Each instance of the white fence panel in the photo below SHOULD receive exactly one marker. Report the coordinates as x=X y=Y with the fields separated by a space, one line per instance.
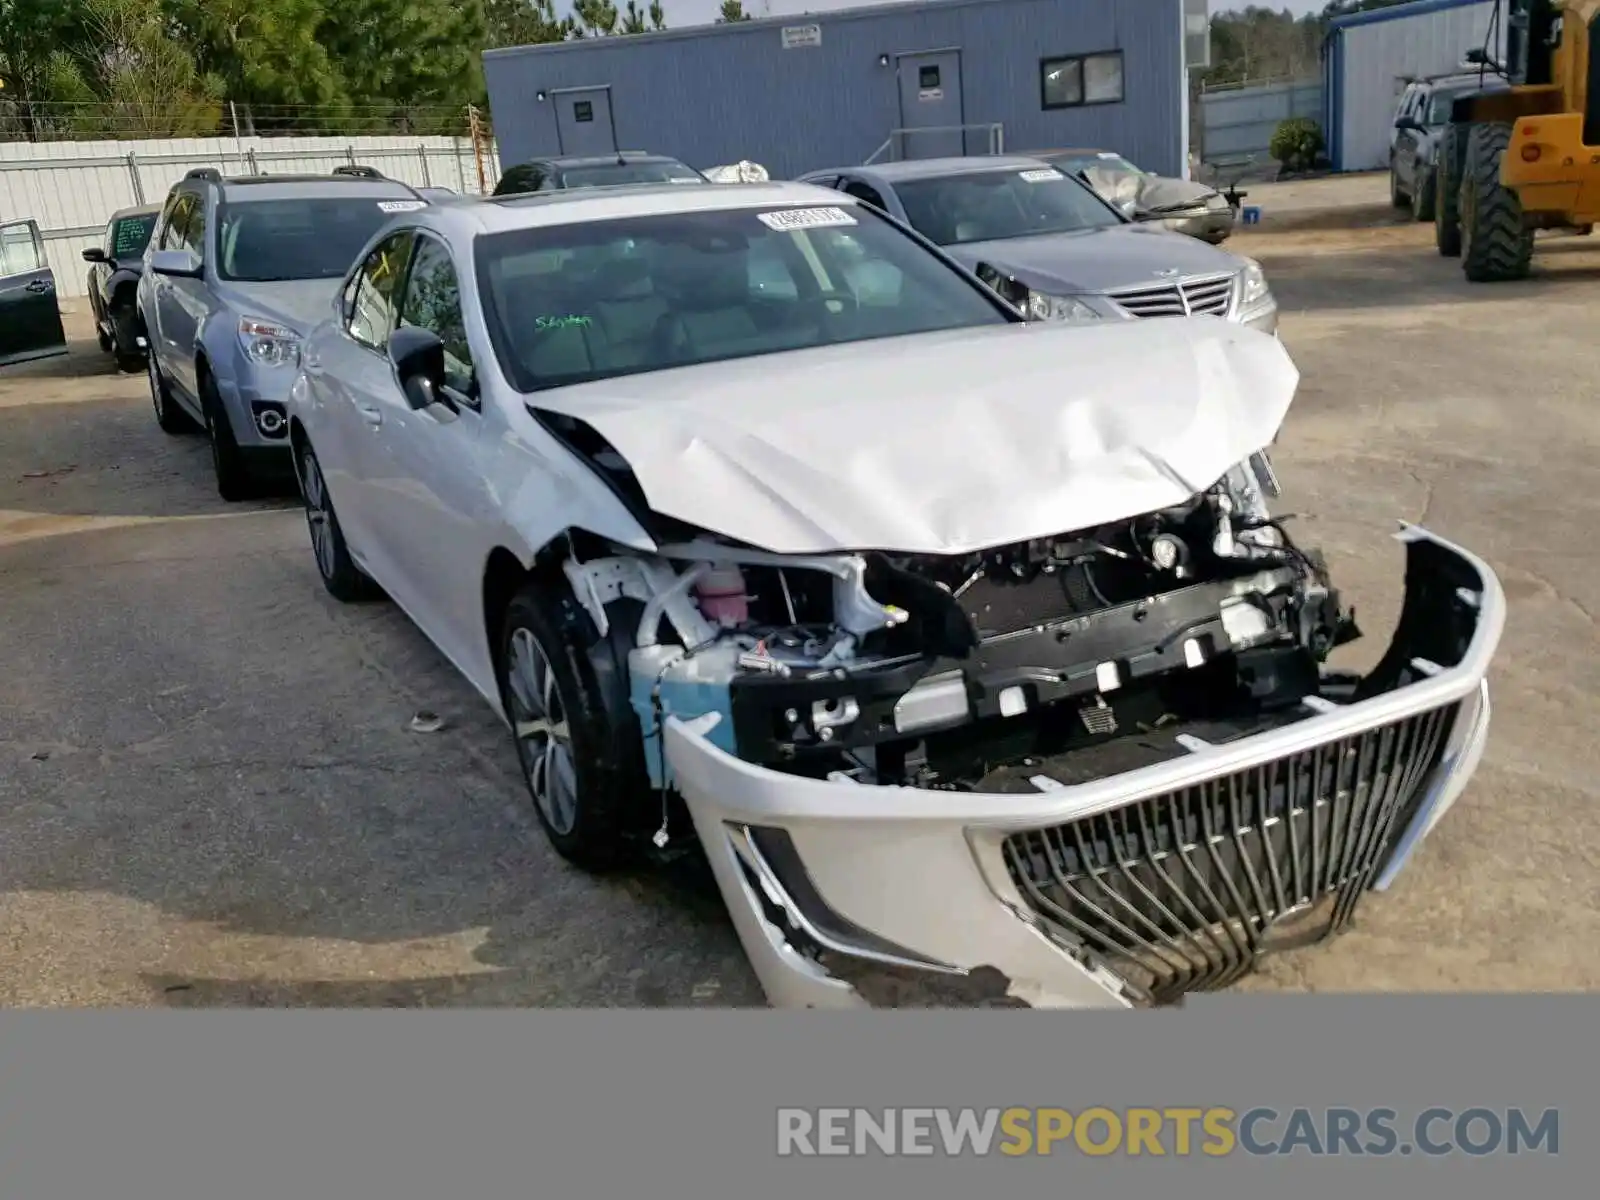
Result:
x=72 y=188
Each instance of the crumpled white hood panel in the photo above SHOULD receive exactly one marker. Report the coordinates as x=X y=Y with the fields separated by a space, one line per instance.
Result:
x=946 y=443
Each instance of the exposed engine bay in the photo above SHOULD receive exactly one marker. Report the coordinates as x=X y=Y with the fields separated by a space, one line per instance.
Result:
x=982 y=671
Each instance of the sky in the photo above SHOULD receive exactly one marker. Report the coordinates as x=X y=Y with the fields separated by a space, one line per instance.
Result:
x=701 y=12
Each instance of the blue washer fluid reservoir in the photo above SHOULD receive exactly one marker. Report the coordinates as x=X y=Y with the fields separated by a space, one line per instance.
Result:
x=690 y=686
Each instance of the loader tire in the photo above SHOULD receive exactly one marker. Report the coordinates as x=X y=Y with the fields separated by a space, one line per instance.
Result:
x=1447 y=192
x=1496 y=245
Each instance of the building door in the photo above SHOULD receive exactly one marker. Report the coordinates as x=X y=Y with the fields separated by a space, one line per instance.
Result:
x=930 y=105
x=583 y=121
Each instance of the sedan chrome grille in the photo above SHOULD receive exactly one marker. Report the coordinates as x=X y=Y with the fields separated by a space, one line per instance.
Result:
x=1203 y=295
x=1185 y=891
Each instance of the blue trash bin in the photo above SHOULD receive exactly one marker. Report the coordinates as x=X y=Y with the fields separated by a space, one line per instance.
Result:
x=1251 y=214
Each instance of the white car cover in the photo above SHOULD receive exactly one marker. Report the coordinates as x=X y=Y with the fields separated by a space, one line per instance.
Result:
x=743 y=171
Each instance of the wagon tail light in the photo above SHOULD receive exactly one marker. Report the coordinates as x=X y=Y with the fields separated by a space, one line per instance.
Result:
x=1530 y=153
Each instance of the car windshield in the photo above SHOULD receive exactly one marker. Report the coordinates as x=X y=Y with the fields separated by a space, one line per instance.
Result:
x=573 y=303
x=611 y=174
x=130 y=235
x=988 y=205
x=262 y=241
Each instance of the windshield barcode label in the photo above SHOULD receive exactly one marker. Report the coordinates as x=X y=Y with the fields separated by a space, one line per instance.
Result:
x=805 y=218
x=394 y=206
x=1041 y=175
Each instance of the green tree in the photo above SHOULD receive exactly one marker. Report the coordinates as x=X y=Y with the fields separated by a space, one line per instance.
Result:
x=146 y=79
x=264 y=55
x=524 y=23
x=732 y=10
x=35 y=68
x=637 y=20
x=406 y=64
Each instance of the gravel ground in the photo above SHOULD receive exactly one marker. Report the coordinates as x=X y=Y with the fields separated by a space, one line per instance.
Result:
x=209 y=793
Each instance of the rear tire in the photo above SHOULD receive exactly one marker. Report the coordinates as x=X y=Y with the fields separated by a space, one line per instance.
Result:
x=234 y=481
x=1447 y=192
x=1496 y=245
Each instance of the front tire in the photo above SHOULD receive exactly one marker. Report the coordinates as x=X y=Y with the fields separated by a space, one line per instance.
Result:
x=579 y=744
x=1424 y=200
x=124 y=343
x=345 y=581
x=172 y=419
x=1496 y=245
x=1447 y=192
x=234 y=481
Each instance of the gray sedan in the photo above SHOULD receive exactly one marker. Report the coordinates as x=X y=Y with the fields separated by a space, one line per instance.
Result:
x=1049 y=244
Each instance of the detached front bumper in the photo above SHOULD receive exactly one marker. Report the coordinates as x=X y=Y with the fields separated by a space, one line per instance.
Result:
x=1133 y=888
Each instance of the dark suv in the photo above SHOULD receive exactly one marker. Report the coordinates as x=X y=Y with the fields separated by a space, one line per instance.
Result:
x=115 y=267
x=609 y=170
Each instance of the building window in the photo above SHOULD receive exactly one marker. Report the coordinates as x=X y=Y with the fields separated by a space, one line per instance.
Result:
x=1080 y=79
x=928 y=77
x=583 y=110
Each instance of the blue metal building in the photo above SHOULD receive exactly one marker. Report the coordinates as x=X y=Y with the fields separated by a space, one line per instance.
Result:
x=838 y=88
x=1370 y=56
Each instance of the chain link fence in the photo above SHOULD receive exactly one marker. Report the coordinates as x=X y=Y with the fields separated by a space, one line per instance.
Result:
x=55 y=121
x=70 y=188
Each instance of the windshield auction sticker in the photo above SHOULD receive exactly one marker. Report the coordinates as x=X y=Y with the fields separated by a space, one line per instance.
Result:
x=805 y=218
x=394 y=206
x=1041 y=175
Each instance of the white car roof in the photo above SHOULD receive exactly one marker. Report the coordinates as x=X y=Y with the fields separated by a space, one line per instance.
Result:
x=578 y=206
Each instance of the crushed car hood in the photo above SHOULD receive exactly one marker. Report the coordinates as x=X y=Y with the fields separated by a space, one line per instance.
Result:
x=945 y=443
x=1096 y=261
x=1152 y=193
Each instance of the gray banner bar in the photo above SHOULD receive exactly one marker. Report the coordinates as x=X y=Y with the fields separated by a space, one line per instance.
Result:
x=452 y=1106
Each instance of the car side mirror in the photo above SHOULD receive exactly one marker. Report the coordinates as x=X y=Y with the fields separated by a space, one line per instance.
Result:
x=184 y=264
x=418 y=358
x=94 y=254
x=1407 y=123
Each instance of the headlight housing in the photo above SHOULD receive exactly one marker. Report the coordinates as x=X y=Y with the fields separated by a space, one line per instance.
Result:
x=1043 y=307
x=1253 y=289
x=267 y=343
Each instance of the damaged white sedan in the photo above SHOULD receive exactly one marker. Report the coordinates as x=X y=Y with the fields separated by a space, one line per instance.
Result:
x=969 y=650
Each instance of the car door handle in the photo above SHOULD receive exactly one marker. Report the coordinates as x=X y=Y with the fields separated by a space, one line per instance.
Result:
x=371 y=416
x=37 y=286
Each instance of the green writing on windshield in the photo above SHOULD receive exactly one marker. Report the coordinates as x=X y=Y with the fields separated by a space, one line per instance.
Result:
x=130 y=237
x=562 y=321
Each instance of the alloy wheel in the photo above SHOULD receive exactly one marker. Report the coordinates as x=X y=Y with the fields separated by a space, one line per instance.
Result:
x=318 y=514
x=544 y=737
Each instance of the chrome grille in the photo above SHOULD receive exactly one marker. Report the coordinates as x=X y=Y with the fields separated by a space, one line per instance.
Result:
x=1208 y=295
x=1185 y=891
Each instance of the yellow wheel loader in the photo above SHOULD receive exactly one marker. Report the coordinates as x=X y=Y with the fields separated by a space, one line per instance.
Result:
x=1516 y=159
